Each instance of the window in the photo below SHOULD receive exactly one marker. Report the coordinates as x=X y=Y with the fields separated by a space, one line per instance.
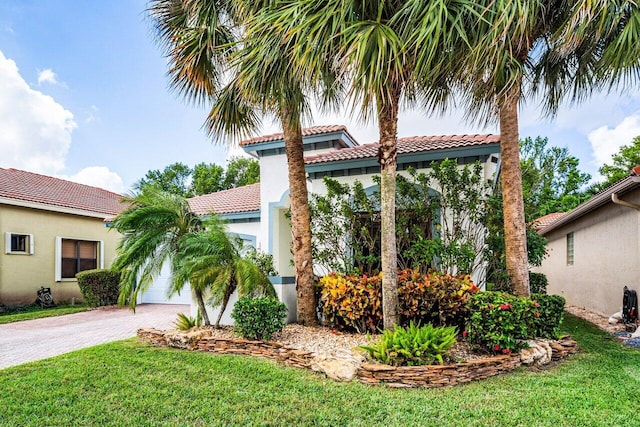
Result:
x=74 y=256
x=570 y=249
x=18 y=243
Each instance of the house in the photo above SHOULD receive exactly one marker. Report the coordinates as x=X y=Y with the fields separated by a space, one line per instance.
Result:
x=52 y=229
x=594 y=250
x=257 y=212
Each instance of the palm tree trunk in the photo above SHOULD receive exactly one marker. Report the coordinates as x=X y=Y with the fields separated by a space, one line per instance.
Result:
x=515 y=237
x=300 y=218
x=225 y=301
x=201 y=307
x=387 y=157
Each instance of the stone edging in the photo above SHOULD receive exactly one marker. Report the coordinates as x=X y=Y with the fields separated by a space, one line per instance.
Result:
x=368 y=373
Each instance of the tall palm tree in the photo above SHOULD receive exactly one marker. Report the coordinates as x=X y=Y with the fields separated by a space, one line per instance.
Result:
x=204 y=40
x=152 y=228
x=378 y=46
x=516 y=54
x=211 y=261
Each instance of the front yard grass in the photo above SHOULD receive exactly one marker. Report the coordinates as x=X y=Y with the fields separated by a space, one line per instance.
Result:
x=36 y=312
x=128 y=383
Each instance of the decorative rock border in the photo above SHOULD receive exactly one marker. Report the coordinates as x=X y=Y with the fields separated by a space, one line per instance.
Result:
x=436 y=375
x=367 y=373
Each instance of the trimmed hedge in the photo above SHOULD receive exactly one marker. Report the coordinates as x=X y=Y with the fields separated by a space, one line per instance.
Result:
x=99 y=287
x=501 y=322
x=355 y=302
x=258 y=318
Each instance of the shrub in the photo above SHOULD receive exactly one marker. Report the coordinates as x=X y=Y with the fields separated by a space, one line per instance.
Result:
x=501 y=322
x=413 y=345
x=538 y=283
x=550 y=311
x=355 y=302
x=259 y=318
x=99 y=287
x=352 y=302
x=498 y=321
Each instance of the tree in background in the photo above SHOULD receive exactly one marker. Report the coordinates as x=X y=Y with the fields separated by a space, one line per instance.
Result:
x=174 y=179
x=207 y=178
x=622 y=162
x=551 y=182
x=551 y=179
x=241 y=171
x=204 y=178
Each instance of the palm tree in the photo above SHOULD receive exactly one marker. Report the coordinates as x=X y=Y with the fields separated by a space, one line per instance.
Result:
x=516 y=54
x=152 y=228
x=378 y=46
x=204 y=40
x=211 y=262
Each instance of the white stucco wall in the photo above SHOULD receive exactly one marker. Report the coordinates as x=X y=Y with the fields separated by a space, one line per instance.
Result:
x=606 y=258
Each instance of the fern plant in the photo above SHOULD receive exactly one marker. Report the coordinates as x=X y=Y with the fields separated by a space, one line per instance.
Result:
x=413 y=345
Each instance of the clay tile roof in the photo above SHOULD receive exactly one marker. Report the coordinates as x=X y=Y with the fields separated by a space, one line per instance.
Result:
x=314 y=130
x=411 y=144
x=241 y=199
x=548 y=219
x=33 y=187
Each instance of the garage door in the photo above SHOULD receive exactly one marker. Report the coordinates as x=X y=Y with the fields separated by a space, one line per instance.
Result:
x=157 y=292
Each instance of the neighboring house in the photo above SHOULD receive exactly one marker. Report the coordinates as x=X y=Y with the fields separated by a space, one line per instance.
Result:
x=594 y=250
x=257 y=212
x=51 y=229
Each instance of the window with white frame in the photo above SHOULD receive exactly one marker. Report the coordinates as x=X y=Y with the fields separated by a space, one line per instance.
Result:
x=76 y=255
x=19 y=243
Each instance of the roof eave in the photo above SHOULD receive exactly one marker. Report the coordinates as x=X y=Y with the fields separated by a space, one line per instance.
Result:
x=55 y=208
x=595 y=202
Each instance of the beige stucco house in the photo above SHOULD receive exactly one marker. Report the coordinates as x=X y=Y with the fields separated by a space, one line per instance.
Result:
x=594 y=250
x=51 y=229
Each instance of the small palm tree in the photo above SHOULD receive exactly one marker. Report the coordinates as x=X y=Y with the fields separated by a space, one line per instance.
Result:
x=211 y=262
x=152 y=229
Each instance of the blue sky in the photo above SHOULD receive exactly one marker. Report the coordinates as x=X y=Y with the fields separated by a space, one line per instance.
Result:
x=84 y=96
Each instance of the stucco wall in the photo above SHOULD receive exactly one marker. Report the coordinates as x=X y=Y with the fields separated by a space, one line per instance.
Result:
x=22 y=275
x=606 y=258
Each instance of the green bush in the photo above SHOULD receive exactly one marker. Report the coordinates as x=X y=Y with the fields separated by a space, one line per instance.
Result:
x=355 y=302
x=550 y=311
x=413 y=345
x=501 y=322
x=498 y=321
x=99 y=287
x=259 y=318
x=538 y=283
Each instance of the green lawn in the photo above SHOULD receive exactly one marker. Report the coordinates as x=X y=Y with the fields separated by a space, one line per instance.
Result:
x=35 y=312
x=131 y=384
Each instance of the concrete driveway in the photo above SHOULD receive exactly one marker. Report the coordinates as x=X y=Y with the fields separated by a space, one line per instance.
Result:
x=37 y=339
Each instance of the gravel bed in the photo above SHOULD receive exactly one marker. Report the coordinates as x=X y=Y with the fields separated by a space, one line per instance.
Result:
x=618 y=330
x=322 y=340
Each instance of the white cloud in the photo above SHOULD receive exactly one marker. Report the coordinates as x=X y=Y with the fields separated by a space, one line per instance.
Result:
x=98 y=176
x=48 y=76
x=606 y=141
x=35 y=130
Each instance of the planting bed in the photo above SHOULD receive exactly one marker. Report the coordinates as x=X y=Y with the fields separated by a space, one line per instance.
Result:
x=344 y=364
